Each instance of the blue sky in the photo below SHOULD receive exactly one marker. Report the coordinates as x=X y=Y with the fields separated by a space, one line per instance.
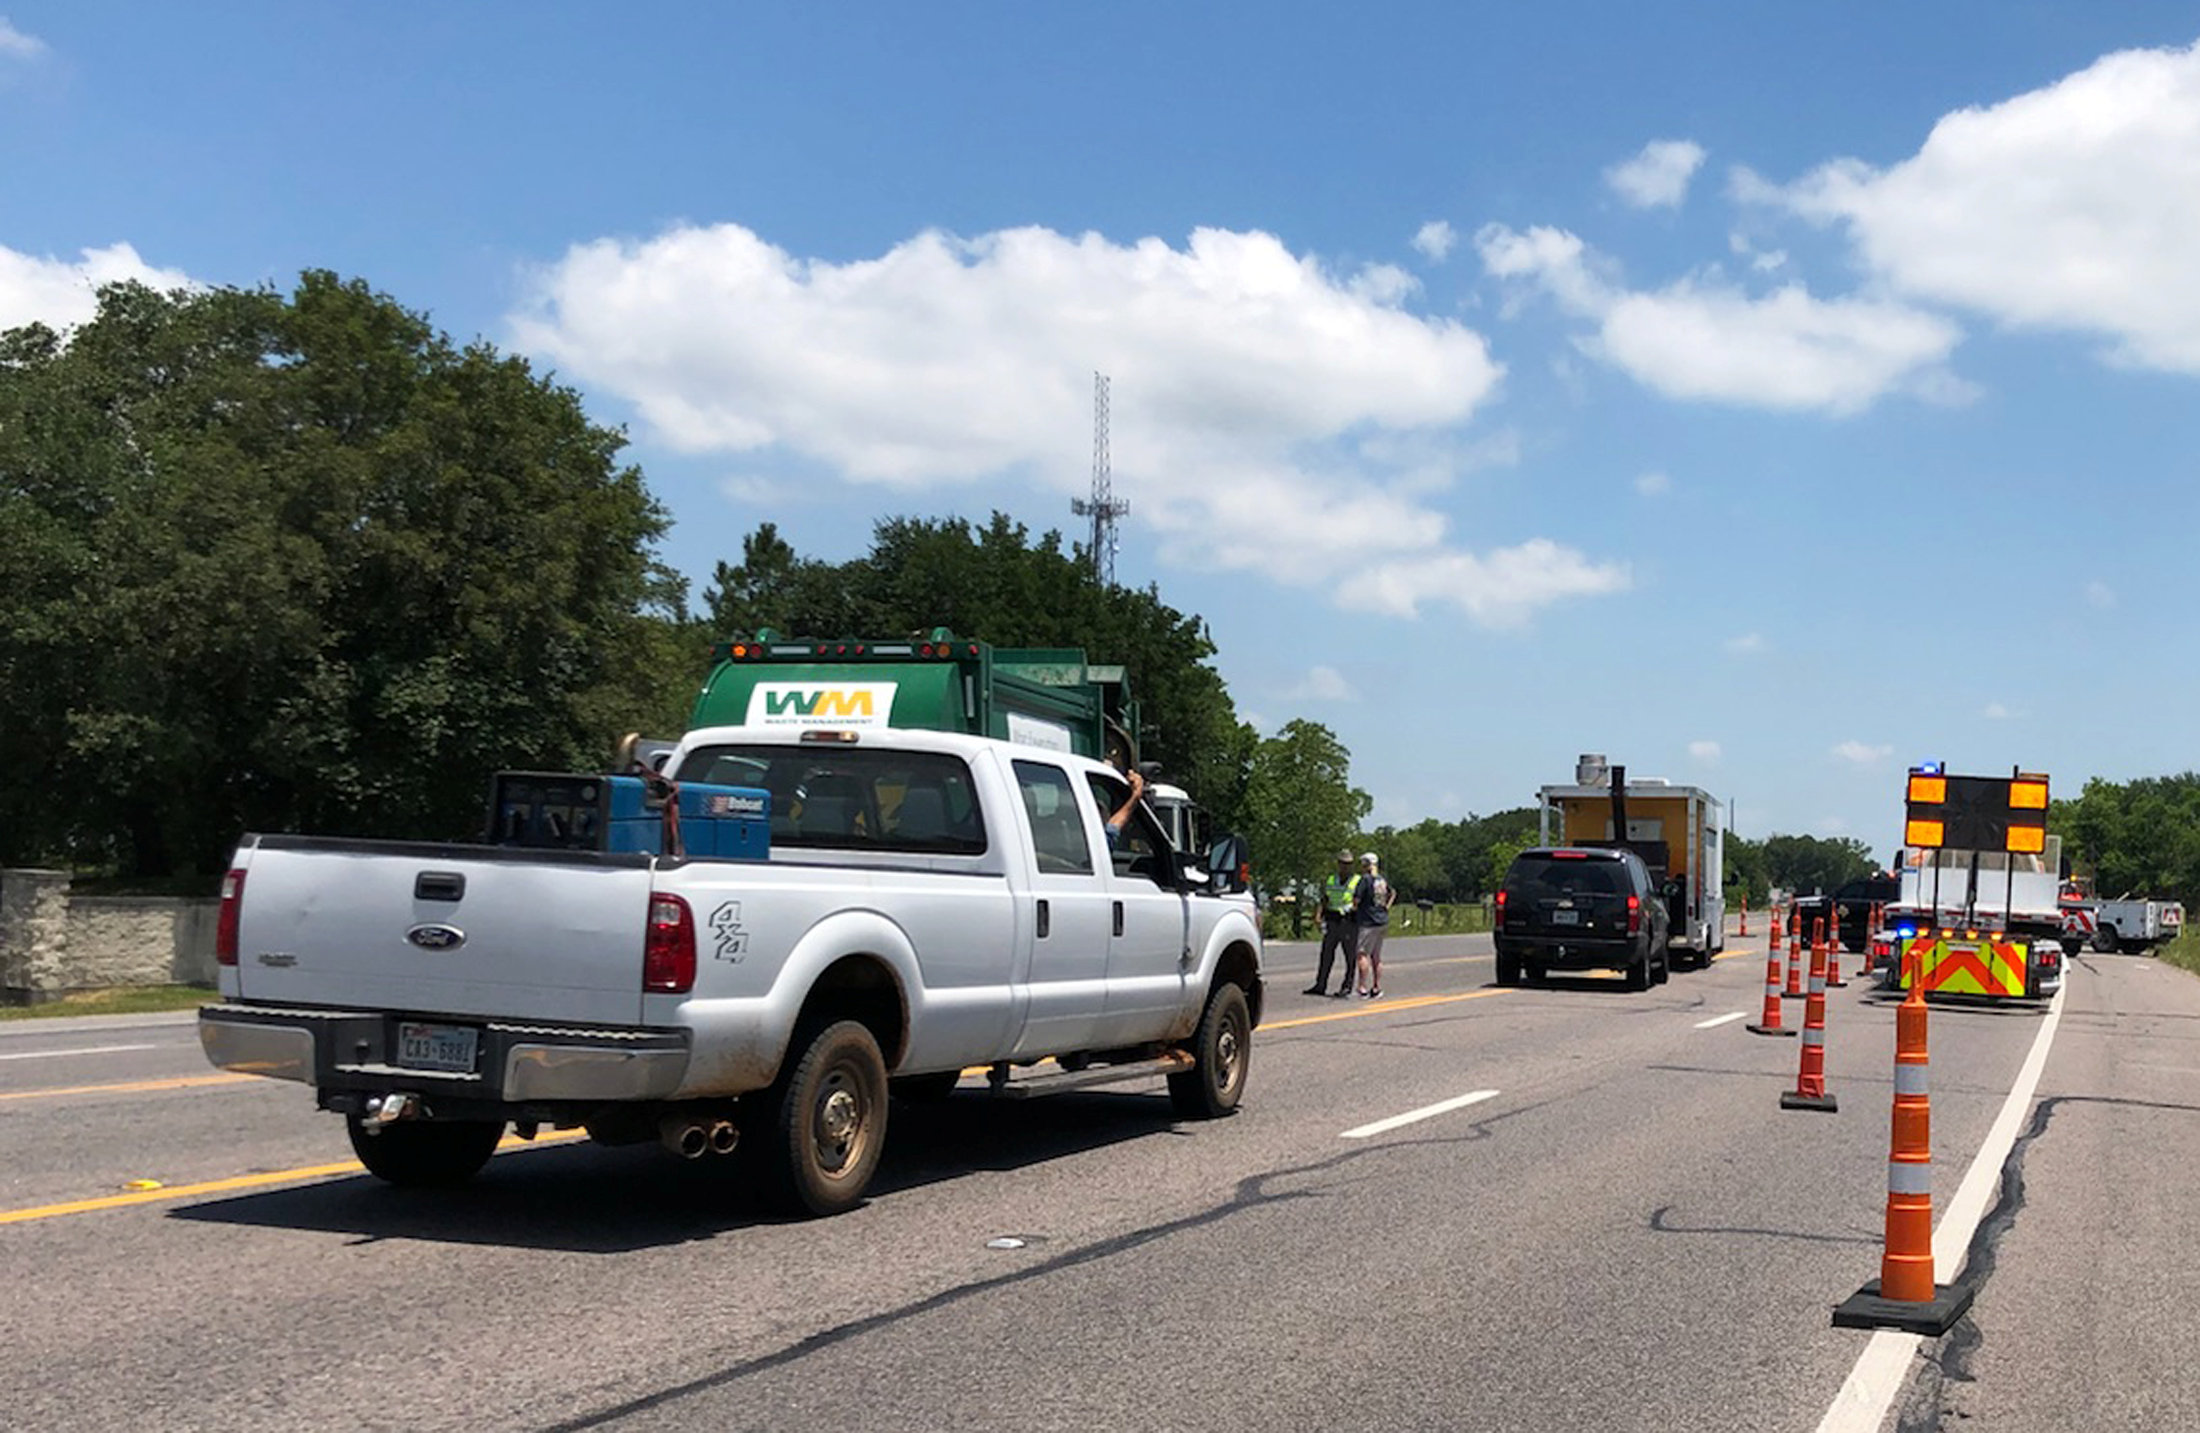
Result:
x=1767 y=396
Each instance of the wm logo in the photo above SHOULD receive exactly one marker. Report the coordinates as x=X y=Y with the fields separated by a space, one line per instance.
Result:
x=820 y=703
x=823 y=702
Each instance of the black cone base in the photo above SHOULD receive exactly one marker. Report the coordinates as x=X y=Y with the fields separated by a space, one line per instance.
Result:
x=1865 y=1309
x=1768 y=1030
x=1794 y=1101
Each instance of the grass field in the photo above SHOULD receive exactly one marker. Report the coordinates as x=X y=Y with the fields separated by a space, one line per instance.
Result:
x=126 y=1000
x=2184 y=951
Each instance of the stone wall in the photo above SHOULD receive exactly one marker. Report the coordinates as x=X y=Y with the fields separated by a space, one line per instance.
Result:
x=53 y=943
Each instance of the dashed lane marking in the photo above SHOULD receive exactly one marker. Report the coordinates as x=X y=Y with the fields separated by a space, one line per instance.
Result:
x=1441 y=1107
x=1722 y=1019
x=242 y=1181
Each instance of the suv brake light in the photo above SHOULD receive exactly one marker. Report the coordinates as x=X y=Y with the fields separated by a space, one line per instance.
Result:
x=668 y=954
x=1498 y=918
x=1634 y=914
x=226 y=921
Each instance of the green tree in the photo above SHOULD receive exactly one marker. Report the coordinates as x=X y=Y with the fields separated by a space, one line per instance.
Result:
x=1300 y=806
x=299 y=562
x=2138 y=838
x=1804 y=864
x=998 y=583
x=1746 y=877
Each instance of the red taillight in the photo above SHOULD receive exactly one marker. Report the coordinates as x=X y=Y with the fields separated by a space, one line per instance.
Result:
x=668 y=955
x=925 y=650
x=225 y=922
x=1499 y=918
x=1634 y=914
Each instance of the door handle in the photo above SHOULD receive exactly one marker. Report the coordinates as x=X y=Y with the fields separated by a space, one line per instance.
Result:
x=1044 y=923
x=1118 y=917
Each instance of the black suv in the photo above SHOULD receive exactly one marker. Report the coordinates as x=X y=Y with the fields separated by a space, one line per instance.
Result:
x=1852 y=908
x=1580 y=908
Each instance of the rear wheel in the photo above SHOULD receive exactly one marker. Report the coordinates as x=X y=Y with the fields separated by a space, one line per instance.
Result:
x=826 y=1126
x=2104 y=938
x=1508 y=969
x=1638 y=974
x=1663 y=970
x=1222 y=1049
x=424 y=1153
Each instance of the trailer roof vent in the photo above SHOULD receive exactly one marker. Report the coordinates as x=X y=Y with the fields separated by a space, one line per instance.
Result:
x=1591 y=769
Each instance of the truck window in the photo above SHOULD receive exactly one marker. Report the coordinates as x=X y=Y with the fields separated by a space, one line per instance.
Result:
x=1057 y=826
x=854 y=799
x=1143 y=849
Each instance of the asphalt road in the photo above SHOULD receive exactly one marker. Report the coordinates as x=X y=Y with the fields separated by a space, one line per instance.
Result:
x=1606 y=1221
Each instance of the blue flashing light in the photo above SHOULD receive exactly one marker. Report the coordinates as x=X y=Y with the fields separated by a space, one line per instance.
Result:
x=1927 y=768
x=1905 y=931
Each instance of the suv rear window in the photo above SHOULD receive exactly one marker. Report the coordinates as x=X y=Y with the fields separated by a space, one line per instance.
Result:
x=1540 y=876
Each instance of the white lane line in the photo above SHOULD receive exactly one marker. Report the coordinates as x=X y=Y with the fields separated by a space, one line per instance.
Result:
x=87 y=1050
x=1722 y=1020
x=1870 y=1390
x=1441 y=1107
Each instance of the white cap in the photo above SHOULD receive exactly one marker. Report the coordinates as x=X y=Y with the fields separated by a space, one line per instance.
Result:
x=1368 y=858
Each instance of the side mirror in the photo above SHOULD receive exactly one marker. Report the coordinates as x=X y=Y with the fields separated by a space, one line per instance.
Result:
x=1229 y=868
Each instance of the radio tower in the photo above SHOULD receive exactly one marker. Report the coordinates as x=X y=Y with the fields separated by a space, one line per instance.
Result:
x=1103 y=507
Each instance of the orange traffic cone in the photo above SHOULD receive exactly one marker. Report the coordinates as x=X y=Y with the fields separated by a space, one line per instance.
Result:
x=1833 y=952
x=1904 y=1295
x=1810 y=1081
x=1769 y=1022
x=1794 y=989
x=1745 y=917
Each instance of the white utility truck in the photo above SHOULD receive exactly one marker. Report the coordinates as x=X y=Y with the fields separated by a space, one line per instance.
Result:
x=928 y=902
x=2136 y=925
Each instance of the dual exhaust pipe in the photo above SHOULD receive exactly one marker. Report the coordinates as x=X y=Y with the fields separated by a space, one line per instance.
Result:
x=692 y=1138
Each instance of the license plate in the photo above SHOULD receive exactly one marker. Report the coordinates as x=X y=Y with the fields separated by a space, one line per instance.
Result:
x=436 y=1047
x=1565 y=917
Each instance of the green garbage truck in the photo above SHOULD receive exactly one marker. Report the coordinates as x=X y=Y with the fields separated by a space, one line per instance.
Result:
x=1051 y=697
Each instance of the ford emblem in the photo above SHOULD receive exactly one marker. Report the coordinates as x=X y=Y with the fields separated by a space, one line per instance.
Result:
x=436 y=937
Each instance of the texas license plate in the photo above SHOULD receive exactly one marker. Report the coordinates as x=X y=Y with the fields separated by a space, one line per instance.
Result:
x=436 y=1047
x=1565 y=917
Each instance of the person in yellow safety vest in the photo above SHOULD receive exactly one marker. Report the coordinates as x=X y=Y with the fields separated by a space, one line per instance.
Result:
x=1338 y=931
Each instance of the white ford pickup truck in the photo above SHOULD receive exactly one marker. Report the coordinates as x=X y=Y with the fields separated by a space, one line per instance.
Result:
x=930 y=902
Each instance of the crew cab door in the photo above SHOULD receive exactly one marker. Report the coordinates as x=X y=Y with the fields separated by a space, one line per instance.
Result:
x=1068 y=913
x=1149 y=918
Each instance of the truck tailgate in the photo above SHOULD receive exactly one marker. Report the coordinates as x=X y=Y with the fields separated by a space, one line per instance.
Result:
x=456 y=930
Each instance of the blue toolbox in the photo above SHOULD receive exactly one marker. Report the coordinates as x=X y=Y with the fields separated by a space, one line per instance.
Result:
x=582 y=812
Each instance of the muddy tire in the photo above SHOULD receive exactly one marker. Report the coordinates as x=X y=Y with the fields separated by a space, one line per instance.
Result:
x=1223 y=1048
x=824 y=1125
x=424 y=1154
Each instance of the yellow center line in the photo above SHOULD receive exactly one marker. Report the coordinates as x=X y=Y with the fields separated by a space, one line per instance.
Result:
x=1383 y=1007
x=182 y=1082
x=242 y=1181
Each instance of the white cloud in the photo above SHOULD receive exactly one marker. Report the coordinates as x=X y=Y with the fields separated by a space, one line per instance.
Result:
x=1749 y=644
x=2100 y=595
x=2072 y=207
x=1995 y=711
x=1653 y=485
x=1705 y=752
x=1861 y=754
x=1658 y=177
x=1435 y=239
x=1324 y=684
x=61 y=294
x=14 y=44
x=947 y=360
x=1704 y=339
